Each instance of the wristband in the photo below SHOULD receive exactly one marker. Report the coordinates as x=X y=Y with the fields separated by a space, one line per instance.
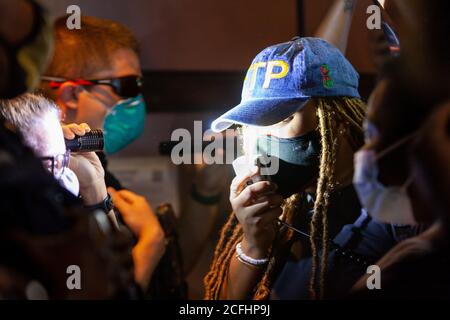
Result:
x=249 y=260
x=206 y=200
x=106 y=205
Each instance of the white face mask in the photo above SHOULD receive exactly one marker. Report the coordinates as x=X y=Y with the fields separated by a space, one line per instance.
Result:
x=69 y=181
x=385 y=204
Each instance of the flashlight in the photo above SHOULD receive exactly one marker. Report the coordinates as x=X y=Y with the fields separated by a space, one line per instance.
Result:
x=91 y=141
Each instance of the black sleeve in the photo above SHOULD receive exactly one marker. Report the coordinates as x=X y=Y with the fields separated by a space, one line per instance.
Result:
x=110 y=179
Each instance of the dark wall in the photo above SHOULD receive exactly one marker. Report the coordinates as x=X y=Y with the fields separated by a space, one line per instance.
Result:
x=195 y=52
x=196 y=34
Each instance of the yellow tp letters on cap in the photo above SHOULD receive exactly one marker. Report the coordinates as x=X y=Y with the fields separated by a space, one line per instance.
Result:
x=269 y=72
x=254 y=67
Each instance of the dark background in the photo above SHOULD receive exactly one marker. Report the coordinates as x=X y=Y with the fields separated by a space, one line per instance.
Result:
x=194 y=57
x=195 y=52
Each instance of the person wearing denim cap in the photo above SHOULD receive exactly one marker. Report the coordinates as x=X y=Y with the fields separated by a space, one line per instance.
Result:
x=301 y=105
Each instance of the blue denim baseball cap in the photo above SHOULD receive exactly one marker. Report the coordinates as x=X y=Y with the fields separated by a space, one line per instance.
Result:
x=282 y=78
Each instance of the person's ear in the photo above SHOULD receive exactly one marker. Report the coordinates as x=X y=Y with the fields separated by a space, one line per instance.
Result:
x=68 y=95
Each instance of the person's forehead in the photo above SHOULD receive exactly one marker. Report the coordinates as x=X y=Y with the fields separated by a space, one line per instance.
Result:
x=124 y=62
x=51 y=135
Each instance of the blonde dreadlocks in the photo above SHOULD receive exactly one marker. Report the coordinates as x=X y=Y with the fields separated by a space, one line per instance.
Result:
x=347 y=111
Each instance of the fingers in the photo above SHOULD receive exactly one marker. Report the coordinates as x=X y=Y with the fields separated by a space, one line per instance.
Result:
x=87 y=160
x=85 y=127
x=72 y=129
x=91 y=156
x=263 y=220
x=67 y=132
x=239 y=182
x=253 y=192
x=273 y=200
x=124 y=195
x=261 y=208
x=119 y=202
x=268 y=217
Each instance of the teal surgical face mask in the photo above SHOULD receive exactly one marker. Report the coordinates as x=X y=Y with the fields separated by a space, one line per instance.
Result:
x=124 y=124
x=298 y=160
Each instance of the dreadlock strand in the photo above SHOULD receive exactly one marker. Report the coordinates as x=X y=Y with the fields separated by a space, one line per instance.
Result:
x=323 y=189
x=355 y=106
x=212 y=276
x=223 y=265
x=319 y=196
x=330 y=165
x=355 y=109
x=263 y=288
x=349 y=118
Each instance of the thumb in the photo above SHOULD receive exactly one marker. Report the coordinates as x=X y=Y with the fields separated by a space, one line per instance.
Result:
x=128 y=196
x=119 y=202
x=67 y=132
x=111 y=191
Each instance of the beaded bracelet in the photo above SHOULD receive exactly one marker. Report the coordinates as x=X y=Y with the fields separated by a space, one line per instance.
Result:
x=249 y=260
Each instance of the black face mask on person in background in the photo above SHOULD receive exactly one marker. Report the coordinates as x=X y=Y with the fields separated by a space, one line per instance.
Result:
x=298 y=160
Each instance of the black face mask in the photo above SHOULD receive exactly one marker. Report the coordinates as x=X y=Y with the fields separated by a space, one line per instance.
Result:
x=298 y=160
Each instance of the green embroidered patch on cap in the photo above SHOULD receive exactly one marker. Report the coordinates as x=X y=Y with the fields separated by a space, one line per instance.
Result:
x=327 y=81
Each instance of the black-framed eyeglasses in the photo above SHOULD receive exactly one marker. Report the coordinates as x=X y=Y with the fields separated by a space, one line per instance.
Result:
x=125 y=87
x=56 y=164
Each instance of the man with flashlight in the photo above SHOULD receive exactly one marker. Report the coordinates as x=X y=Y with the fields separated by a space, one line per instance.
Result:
x=82 y=173
x=95 y=78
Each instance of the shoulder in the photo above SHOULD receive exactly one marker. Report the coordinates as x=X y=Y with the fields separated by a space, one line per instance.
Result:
x=408 y=249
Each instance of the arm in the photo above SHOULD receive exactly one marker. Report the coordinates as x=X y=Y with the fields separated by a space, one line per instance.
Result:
x=256 y=207
x=335 y=26
x=88 y=170
x=242 y=278
x=87 y=167
x=209 y=182
x=141 y=220
x=134 y=209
